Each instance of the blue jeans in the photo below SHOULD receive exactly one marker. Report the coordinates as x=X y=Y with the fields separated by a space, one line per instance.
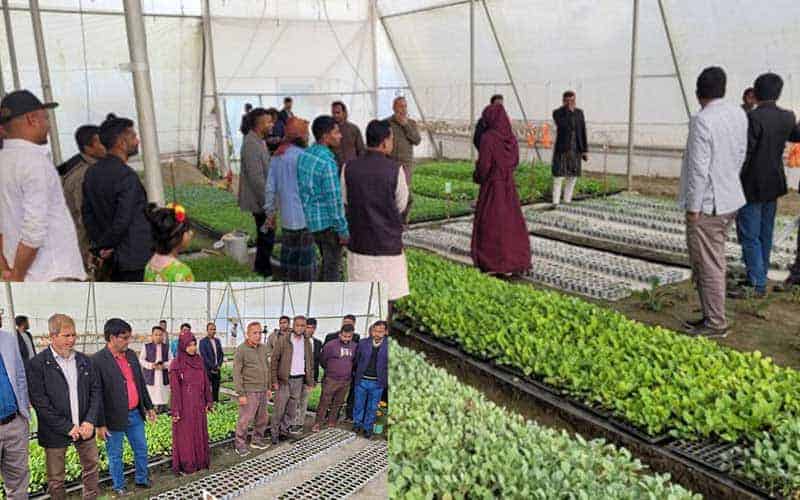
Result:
x=754 y=226
x=367 y=396
x=135 y=433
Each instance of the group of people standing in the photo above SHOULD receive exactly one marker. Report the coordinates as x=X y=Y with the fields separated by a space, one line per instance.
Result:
x=338 y=193
x=77 y=398
x=286 y=367
x=88 y=218
x=733 y=171
x=109 y=395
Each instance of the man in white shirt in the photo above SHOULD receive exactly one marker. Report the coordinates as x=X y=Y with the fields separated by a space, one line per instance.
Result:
x=711 y=193
x=37 y=233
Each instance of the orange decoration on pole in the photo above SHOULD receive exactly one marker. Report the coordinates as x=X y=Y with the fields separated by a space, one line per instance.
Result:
x=794 y=156
x=546 y=140
x=530 y=136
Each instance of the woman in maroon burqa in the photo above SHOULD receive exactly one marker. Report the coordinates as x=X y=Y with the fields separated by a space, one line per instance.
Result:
x=191 y=400
x=500 y=243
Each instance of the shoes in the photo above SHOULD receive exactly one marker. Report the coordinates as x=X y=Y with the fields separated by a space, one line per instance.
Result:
x=357 y=429
x=315 y=428
x=367 y=434
x=296 y=429
x=242 y=453
x=692 y=324
x=709 y=332
x=121 y=493
x=274 y=441
x=259 y=445
x=144 y=486
x=746 y=292
x=786 y=286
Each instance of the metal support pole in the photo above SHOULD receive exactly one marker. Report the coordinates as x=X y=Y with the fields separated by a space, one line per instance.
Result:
x=673 y=53
x=12 y=51
x=308 y=304
x=373 y=19
x=200 y=131
x=369 y=308
x=209 y=45
x=410 y=86
x=471 y=73
x=10 y=300
x=208 y=301
x=2 y=81
x=44 y=76
x=632 y=95
x=94 y=311
x=508 y=72
x=380 y=303
x=140 y=68
x=171 y=308
x=236 y=306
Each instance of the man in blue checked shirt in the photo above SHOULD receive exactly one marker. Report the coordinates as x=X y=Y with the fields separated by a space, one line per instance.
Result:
x=321 y=196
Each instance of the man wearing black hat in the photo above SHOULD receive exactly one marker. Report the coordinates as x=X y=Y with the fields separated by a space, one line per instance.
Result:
x=37 y=234
x=114 y=202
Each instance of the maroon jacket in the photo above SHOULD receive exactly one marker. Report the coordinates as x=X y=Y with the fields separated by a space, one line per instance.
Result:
x=337 y=359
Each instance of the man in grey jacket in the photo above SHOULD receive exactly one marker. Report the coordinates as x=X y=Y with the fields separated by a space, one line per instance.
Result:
x=252 y=182
x=711 y=193
x=14 y=418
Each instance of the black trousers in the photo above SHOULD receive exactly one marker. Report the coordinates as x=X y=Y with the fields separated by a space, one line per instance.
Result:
x=794 y=270
x=331 y=251
x=127 y=276
x=264 y=244
x=214 y=378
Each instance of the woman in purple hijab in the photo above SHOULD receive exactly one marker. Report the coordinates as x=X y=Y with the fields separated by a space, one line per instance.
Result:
x=191 y=400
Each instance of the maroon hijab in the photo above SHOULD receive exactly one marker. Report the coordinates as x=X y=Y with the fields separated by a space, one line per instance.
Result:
x=500 y=135
x=184 y=363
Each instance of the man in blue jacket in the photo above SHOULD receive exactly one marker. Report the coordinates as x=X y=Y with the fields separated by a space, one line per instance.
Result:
x=372 y=377
x=14 y=418
x=211 y=350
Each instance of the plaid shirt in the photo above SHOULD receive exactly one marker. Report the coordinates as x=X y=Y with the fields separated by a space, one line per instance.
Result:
x=321 y=191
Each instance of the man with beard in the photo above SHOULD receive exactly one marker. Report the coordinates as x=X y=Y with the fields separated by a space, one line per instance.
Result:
x=37 y=236
x=72 y=173
x=352 y=145
x=114 y=202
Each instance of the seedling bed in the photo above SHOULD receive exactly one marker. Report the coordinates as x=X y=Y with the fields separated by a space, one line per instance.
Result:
x=690 y=472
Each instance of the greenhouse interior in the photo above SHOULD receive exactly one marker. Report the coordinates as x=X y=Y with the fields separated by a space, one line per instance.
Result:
x=581 y=374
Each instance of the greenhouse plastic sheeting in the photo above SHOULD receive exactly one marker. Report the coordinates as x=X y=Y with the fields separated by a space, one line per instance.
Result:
x=323 y=50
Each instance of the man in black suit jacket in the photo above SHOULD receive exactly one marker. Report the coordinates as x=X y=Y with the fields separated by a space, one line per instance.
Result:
x=125 y=404
x=213 y=357
x=114 y=203
x=27 y=348
x=763 y=180
x=65 y=390
x=571 y=147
